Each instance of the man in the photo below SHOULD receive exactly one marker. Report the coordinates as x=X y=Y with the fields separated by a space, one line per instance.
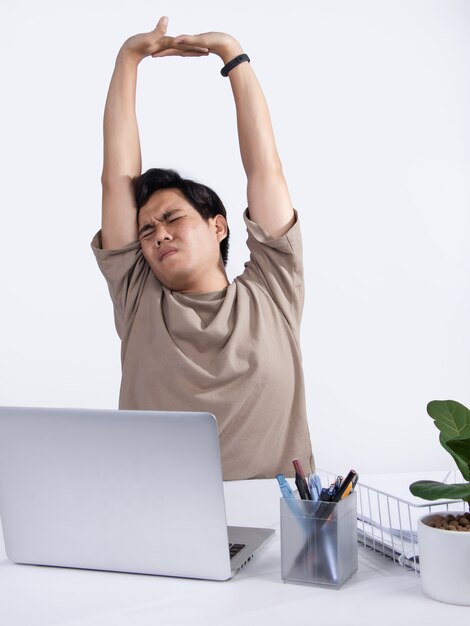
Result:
x=190 y=340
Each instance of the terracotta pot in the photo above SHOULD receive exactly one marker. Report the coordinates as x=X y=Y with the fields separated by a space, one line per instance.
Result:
x=444 y=561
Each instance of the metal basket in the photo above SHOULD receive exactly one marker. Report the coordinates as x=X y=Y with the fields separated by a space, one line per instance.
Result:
x=387 y=520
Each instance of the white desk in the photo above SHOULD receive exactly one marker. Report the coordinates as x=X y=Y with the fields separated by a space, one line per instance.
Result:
x=381 y=593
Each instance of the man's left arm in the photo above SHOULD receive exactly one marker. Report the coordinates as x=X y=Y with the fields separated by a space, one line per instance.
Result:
x=269 y=202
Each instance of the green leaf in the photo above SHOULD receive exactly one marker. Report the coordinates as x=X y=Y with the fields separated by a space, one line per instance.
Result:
x=431 y=490
x=461 y=453
x=453 y=421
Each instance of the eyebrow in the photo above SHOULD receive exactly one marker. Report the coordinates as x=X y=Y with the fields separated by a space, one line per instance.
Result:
x=164 y=217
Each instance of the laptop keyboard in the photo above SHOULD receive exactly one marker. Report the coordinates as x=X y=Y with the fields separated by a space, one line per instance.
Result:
x=235 y=548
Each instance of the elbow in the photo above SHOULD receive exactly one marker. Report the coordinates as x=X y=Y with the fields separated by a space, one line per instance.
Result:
x=111 y=181
x=272 y=172
x=271 y=167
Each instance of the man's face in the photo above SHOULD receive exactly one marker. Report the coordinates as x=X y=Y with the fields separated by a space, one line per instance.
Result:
x=181 y=247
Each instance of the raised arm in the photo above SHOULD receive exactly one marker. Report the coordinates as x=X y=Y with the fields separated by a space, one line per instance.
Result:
x=269 y=202
x=122 y=158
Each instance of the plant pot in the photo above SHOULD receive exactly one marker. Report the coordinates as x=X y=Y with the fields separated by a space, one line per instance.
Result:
x=444 y=561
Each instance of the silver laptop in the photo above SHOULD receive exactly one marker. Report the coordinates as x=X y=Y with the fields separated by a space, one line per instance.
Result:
x=127 y=491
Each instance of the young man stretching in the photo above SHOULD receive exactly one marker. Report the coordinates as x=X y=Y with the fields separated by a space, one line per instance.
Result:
x=190 y=339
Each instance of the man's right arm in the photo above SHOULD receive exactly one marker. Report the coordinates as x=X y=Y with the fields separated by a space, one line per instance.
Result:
x=121 y=159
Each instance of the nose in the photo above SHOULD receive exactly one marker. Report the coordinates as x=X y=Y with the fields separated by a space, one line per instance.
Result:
x=161 y=234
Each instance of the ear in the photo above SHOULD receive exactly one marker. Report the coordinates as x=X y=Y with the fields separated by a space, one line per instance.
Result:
x=221 y=228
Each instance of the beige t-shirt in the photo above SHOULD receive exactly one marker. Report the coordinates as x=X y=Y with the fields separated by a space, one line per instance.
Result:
x=234 y=353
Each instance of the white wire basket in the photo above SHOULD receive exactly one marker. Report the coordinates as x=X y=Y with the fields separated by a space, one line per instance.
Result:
x=388 y=514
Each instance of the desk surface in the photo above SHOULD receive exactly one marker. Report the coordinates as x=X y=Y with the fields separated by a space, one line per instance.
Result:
x=380 y=593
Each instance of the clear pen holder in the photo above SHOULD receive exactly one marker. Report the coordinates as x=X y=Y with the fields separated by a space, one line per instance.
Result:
x=318 y=541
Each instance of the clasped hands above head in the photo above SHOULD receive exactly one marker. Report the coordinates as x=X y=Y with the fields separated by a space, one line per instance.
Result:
x=157 y=43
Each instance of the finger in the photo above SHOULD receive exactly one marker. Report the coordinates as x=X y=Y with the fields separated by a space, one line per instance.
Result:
x=183 y=45
x=194 y=53
x=165 y=42
x=193 y=49
x=186 y=39
x=162 y=25
x=168 y=52
x=182 y=53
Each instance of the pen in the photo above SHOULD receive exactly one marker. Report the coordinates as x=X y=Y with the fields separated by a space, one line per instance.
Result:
x=314 y=486
x=294 y=505
x=347 y=486
x=284 y=486
x=300 y=481
x=328 y=494
x=351 y=486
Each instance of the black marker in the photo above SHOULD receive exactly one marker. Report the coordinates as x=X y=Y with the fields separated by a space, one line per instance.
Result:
x=300 y=481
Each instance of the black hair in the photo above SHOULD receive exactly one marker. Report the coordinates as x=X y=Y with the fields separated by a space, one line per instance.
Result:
x=206 y=202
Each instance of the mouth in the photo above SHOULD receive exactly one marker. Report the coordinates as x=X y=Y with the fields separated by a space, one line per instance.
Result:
x=166 y=253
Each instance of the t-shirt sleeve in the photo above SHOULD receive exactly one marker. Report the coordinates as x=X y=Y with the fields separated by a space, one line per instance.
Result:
x=277 y=266
x=126 y=272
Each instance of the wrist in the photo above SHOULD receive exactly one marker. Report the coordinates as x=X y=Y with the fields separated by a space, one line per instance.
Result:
x=230 y=51
x=128 y=56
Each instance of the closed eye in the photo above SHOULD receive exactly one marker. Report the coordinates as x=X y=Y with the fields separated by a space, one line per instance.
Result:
x=168 y=218
x=146 y=230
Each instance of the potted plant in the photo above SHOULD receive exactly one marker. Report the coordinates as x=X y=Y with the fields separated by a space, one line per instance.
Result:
x=444 y=538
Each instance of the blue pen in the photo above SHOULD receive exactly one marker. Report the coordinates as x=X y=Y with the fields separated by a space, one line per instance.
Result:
x=292 y=502
x=314 y=485
x=284 y=486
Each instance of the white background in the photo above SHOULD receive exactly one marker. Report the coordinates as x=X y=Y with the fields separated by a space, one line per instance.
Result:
x=370 y=103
